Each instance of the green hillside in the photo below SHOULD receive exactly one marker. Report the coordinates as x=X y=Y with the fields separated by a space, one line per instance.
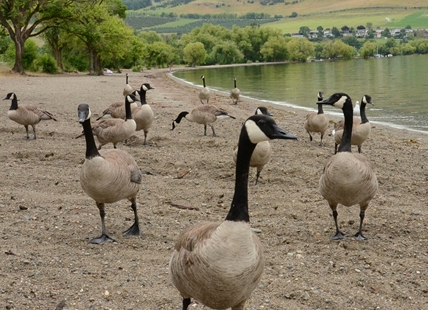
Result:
x=311 y=13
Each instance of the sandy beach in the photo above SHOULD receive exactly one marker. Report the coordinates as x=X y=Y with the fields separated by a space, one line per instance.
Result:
x=47 y=219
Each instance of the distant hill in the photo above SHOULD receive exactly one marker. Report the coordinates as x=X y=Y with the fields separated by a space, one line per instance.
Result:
x=287 y=15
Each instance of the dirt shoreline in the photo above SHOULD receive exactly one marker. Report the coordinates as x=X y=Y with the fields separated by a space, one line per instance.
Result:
x=47 y=219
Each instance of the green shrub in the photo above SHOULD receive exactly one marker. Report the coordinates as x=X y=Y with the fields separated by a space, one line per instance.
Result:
x=47 y=64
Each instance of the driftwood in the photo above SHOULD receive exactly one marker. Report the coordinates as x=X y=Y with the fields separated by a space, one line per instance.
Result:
x=183 y=207
x=182 y=175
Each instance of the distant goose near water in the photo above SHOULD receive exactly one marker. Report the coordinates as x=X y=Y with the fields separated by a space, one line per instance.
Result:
x=205 y=114
x=205 y=93
x=108 y=176
x=235 y=92
x=26 y=115
x=347 y=178
x=317 y=121
x=221 y=263
x=361 y=127
x=262 y=153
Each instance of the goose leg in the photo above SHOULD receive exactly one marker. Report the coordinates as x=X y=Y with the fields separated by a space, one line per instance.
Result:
x=212 y=127
x=26 y=129
x=359 y=149
x=338 y=235
x=335 y=148
x=104 y=236
x=310 y=137
x=257 y=177
x=322 y=136
x=34 y=132
x=186 y=303
x=205 y=130
x=134 y=230
x=145 y=138
x=359 y=234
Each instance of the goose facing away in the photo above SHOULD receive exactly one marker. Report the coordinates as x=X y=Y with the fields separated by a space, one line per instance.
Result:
x=262 y=153
x=127 y=90
x=361 y=127
x=317 y=121
x=117 y=109
x=348 y=178
x=205 y=115
x=220 y=264
x=26 y=115
x=143 y=115
x=108 y=176
x=235 y=92
x=205 y=93
x=115 y=130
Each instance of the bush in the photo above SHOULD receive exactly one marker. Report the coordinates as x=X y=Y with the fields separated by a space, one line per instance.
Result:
x=47 y=64
x=28 y=57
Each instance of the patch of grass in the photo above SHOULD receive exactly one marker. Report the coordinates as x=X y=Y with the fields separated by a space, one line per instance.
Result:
x=416 y=20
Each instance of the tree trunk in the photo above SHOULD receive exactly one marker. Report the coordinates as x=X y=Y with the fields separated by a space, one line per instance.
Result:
x=19 y=47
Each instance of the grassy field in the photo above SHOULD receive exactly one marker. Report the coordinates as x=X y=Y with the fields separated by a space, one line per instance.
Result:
x=314 y=13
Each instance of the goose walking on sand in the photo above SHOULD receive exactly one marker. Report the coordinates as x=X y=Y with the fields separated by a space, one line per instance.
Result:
x=235 y=92
x=221 y=263
x=262 y=153
x=347 y=179
x=205 y=115
x=108 y=176
x=143 y=115
x=205 y=93
x=26 y=115
x=317 y=121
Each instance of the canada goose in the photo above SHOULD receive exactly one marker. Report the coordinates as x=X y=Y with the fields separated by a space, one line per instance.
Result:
x=361 y=128
x=26 y=115
x=143 y=115
x=205 y=93
x=263 y=151
x=220 y=264
x=347 y=178
x=127 y=90
x=108 y=176
x=235 y=92
x=204 y=114
x=117 y=109
x=116 y=130
x=317 y=121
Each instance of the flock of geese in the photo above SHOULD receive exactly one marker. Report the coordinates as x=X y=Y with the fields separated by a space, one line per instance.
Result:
x=217 y=263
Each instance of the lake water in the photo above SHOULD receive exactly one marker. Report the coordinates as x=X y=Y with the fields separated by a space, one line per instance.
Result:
x=398 y=85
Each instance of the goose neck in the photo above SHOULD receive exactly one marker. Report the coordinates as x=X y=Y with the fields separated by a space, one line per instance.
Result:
x=128 y=112
x=320 y=110
x=239 y=207
x=345 y=144
x=14 y=104
x=143 y=96
x=363 y=113
x=91 y=148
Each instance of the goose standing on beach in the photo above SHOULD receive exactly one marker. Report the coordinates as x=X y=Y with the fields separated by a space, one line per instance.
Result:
x=361 y=127
x=108 y=176
x=116 y=130
x=317 y=121
x=235 y=92
x=26 y=115
x=205 y=93
x=262 y=153
x=220 y=264
x=205 y=115
x=143 y=115
x=348 y=178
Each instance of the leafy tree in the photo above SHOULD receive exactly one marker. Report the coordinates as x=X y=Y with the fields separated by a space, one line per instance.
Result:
x=345 y=28
x=320 y=30
x=275 y=49
x=386 y=33
x=335 y=32
x=300 y=49
x=28 y=57
x=352 y=41
x=226 y=52
x=407 y=49
x=368 y=49
x=335 y=49
x=159 y=54
x=369 y=26
x=304 y=30
x=57 y=39
x=293 y=15
x=194 y=54
x=29 y=18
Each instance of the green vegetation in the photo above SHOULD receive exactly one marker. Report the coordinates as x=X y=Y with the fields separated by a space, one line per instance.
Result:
x=415 y=20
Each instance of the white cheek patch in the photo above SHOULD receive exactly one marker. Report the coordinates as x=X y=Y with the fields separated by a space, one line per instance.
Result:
x=145 y=88
x=339 y=103
x=365 y=100
x=89 y=114
x=254 y=132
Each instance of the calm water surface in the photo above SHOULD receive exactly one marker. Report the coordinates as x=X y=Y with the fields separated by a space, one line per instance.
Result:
x=398 y=85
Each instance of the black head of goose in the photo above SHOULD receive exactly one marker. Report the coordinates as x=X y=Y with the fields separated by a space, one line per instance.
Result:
x=220 y=264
